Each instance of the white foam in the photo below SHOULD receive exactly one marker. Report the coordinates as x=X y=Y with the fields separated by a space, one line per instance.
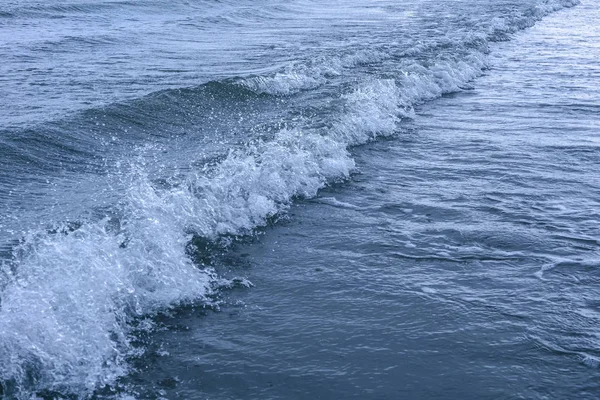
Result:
x=297 y=77
x=428 y=290
x=332 y=201
x=286 y=82
x=64 y=321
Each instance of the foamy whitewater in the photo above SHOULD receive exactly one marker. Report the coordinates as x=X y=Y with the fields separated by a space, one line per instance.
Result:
x=142 y=142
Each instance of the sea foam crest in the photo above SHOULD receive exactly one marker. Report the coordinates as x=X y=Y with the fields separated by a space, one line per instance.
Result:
x=73 y=292
x=420 y=84
x=287 y=82
x=372 y=110
x=247 y=187
x=297 y=77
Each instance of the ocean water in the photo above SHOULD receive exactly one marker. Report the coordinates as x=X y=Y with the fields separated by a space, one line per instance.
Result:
x=299 y=200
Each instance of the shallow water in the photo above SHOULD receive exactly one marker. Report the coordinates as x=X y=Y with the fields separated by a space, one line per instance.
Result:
x=299 y=200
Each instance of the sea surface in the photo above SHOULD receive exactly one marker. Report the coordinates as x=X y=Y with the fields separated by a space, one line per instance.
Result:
x=299 y=199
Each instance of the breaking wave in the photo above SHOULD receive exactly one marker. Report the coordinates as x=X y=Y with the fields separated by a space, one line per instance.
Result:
x=72 y=293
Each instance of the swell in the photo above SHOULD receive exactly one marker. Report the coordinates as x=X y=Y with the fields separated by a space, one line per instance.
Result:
x=59 y=10
x=85 y=135
x=71 y=292
x=235 y=13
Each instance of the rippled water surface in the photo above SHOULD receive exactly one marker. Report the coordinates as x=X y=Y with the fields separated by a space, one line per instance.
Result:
x=294 y=200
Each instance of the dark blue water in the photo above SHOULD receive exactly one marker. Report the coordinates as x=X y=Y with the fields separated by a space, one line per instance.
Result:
x=299 y=200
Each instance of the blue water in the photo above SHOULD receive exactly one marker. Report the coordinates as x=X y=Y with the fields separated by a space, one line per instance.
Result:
x=299 y=200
